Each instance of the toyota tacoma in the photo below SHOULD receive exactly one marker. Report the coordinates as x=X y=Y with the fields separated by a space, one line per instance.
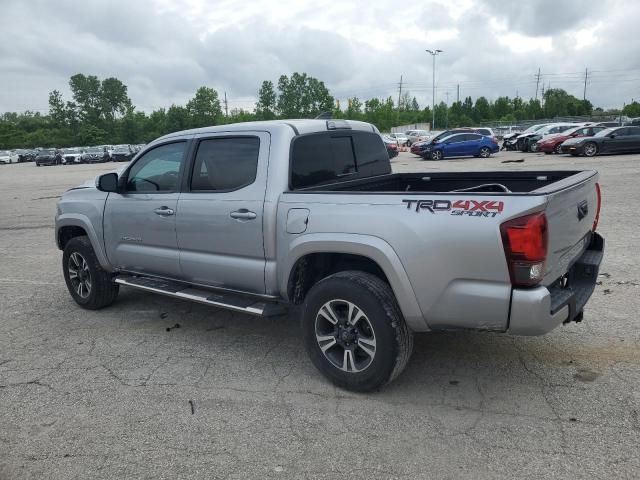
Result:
x=255 y=217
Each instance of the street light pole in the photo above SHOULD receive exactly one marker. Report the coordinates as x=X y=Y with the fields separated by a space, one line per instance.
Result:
x=433 y=98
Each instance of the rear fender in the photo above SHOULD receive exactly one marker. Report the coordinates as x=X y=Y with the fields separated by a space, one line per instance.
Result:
x=373 y=248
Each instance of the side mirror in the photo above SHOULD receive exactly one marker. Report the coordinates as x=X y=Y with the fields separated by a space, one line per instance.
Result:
x=612 y=135
x=107 y=182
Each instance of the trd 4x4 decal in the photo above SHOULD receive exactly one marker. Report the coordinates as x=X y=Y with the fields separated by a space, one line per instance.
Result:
x=471 y=208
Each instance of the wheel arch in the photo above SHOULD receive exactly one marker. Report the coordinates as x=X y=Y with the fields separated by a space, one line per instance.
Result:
x=316 y=256
x=69 y=226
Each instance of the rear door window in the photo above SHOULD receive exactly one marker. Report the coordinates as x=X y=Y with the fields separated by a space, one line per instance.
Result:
x=224 y=164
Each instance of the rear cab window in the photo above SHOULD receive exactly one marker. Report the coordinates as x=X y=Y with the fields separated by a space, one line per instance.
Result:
x=328 y=157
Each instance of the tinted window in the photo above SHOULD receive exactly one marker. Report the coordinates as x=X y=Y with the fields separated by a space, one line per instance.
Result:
x=225 y=163
x=157 y=170
x=455 y=139
x=621 y=132
x=634 y=130
x=472 y=137
x=328 y=156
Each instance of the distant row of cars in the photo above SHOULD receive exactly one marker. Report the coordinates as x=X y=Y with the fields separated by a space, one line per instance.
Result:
x=588 y=139
x=72 y=155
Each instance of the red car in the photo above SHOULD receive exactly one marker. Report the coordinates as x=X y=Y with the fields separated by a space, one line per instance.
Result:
x=553 y=143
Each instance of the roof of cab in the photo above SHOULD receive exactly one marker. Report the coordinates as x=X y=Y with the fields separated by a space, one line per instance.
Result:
x=297 y=126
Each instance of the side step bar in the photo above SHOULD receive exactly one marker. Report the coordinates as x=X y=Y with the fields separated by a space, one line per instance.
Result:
x=229 y=301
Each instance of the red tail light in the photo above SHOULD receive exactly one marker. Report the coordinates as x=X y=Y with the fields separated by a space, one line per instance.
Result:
x=525 y=242
x=597 y=219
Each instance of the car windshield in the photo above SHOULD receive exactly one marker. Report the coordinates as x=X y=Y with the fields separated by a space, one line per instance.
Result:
x=95 y=150
x=605 y=132
x=71 y=150
x=4 y=153
x=121 y=149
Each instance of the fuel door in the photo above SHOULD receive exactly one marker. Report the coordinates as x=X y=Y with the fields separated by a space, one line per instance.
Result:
x=297 y=219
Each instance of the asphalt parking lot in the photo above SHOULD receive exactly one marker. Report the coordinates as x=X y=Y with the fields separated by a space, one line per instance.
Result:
x=157 y=388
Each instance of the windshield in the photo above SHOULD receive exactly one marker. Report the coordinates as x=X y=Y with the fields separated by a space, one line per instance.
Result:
x=121 y=149
x=71 y=150
x=533 y=128
x=95 y=150
x=4 y=153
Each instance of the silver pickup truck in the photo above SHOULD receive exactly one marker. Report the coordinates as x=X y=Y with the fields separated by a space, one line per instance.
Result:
x=254 y=217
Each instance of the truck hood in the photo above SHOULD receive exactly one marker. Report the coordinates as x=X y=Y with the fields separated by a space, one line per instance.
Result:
x=91 y=183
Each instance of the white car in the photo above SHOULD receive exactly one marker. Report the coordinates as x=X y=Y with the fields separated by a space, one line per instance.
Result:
x=72 y=155
x=8 y=157
x=401 y=138
x=416 y=136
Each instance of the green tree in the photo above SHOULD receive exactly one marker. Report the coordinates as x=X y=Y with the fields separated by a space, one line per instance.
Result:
x=177 y=119
x=204 y=108
x=303 y=96
x=267 y=101
x=113 y=98
x=86 y=97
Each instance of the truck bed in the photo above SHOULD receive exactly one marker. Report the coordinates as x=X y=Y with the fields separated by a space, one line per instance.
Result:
x=529 y=182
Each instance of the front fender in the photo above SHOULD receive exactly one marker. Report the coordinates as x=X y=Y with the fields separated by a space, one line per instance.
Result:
x=82 y=221
x=371 y=247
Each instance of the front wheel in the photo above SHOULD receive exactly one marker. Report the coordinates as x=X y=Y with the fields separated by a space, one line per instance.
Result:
x=436 y=155
x=89 y=284
x=533 y=147
x=558 y=149
x=354 y=331
x=485 y=152
x=590 y=149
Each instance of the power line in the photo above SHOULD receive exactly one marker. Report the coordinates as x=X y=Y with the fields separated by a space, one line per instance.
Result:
x=538 y=83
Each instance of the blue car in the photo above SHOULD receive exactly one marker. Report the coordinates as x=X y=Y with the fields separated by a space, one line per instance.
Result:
x=461 y=145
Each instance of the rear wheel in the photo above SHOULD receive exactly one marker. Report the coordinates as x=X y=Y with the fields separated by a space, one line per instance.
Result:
x=558 y=149
x=590 y=149
x=485 y=152
x=89 y=284
x=354 y=332
x=436 y=155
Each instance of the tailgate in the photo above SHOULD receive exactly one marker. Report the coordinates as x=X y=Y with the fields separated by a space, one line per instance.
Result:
x=571 y=210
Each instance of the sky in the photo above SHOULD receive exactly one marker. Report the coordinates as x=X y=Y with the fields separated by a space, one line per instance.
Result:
x=163 y=50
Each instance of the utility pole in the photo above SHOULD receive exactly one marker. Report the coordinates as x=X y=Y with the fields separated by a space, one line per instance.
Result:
x=538 y=83
x=586 y=75
x=399 y=97
x=447 y=115
x=226 y=106
x=433 y=53
x=458 y=94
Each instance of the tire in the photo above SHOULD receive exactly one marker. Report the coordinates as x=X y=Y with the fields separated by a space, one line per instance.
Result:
x=380 y=329
x=590 y=149
x=79 y=257
x=533 y=147
x=558 y=149
x=484 y=152
x=436 y=155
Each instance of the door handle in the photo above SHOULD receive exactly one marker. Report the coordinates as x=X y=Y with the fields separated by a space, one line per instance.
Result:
x=164 y=211
x=243 y=214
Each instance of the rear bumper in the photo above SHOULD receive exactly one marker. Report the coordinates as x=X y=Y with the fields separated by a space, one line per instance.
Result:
x=539 y=310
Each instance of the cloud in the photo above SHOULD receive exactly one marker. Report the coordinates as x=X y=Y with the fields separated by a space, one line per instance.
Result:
x=165 y=49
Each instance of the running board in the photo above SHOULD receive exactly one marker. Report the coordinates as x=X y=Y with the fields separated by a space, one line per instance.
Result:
x=235 y=302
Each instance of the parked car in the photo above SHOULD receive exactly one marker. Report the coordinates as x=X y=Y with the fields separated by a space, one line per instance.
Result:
x=7 y=156
x=95 y=155
x=71 y=156
x=416 y=136
x=487 y=132
x=609 y=140
x=122 y=153
x=607 y=124
x=264 y=215
x=516 y=141
x=420 y=147
x=633 y=122
x=461 y=145
x=391 y=145
x=530 y=140
x=48 y=156
x=401 y=138
x=553 y=143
